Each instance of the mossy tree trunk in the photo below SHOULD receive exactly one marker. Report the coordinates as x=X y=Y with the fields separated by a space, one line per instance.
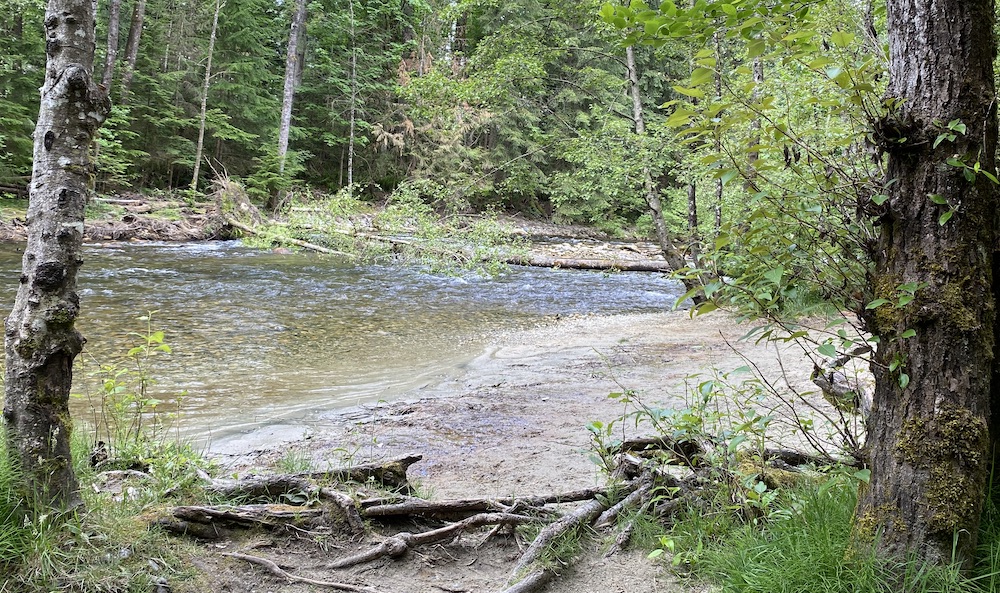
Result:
x=41 y=340
x=928 y=434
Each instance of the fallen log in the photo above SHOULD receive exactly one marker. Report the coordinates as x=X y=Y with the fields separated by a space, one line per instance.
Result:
x=297 y=242
x=393 y=507
x=390 y=474
x=17 y=190
x=212 y=523
x=621 y=265
x=531 y=260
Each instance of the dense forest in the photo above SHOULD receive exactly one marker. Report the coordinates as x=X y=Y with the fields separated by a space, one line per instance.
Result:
x=530 y=106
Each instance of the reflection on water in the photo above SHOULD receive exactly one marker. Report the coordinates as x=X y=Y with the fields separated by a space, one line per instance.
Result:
x=258 y=336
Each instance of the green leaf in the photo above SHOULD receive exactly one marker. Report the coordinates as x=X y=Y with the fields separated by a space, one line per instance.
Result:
x=828 y=350
x=701 y=76
x=706 y=307
x=945 y=217
x=696 y=93
x=775 y=274
x=909 y=333
x=728 y=175
x=863 y=475
x=904 y=380
x=756 y=48
x=876 y=303
x=842 y=38
x=879 y=199
x=938 y=199
x=729 y=9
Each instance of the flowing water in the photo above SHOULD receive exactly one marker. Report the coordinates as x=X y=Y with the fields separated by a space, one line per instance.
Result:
x=258 y=337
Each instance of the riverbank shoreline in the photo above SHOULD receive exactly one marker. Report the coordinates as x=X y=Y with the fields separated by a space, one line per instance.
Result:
x=514 y=422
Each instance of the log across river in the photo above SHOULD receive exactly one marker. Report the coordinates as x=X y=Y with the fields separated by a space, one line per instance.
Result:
x=259 y=337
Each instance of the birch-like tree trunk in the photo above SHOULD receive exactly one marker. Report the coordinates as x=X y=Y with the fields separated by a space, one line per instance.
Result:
x=204 y=96
x=354 y=99
x=41 y=338
x=132 y=48
x=670 y=253
x=111 y=53
x=292 y=68
x=928 y=432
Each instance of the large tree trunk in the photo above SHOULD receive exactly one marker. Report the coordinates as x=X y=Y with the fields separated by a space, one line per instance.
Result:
x=132 y=48
x=928 y=432
x=41 y=340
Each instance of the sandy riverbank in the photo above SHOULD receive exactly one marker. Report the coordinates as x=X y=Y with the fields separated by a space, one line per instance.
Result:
x=513 y=423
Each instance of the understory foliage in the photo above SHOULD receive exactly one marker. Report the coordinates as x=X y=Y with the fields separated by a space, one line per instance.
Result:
x=756 y=526
x=106 y=546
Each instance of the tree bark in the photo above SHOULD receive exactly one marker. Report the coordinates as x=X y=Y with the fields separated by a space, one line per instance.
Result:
x=204 y=96
x=928 y=431
x=111 y=55
x=674 y=259
x=41 y=340
x=354 y=99
x=292 y=68
x=132 y=48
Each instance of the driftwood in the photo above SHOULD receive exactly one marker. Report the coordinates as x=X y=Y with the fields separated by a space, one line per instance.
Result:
x=391 y=507
x=622 y=265
x=277 y=571
x=217 y=522
x=390 y=474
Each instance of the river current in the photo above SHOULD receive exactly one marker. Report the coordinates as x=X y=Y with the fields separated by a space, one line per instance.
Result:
x=258 y=337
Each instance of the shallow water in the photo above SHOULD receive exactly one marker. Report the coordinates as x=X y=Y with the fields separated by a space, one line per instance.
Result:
x=258 y=337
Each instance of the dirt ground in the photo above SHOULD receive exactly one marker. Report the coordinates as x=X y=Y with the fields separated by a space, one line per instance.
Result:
x=513 y=423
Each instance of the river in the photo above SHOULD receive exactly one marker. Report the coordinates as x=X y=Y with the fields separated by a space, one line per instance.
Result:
x=259 y=337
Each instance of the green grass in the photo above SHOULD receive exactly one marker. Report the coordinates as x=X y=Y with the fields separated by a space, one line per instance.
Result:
x=106 y=546
x=811 y=551
x=13 y=539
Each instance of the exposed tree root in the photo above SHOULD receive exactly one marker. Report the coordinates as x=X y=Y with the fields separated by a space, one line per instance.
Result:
x=645 y=486
x=397 y=545
x=534 y=581
x=279 y=572
x=217 y=522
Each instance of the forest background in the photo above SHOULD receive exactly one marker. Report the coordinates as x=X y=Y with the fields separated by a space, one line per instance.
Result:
x=522 y=106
